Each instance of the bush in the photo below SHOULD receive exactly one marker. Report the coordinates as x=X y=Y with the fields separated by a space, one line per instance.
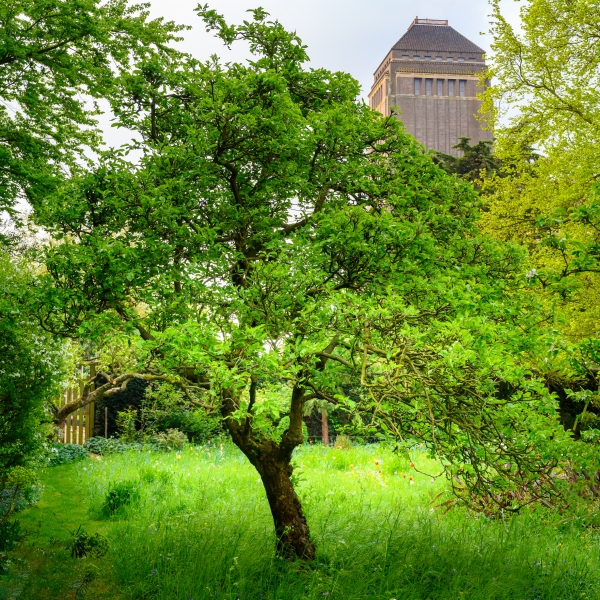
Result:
x=31 y=368
x=11 y=534
x=164 y=408
x=172 y=439
x=60 y=454
x=100 y=445
x=119 y=496
x=18 y=488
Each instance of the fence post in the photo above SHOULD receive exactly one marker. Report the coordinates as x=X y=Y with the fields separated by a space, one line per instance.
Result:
x=81 y=413
x=69 y=419
x=92 y=406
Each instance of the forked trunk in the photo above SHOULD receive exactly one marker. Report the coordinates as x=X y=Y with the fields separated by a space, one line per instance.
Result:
x=291 y=528
x=272 y=460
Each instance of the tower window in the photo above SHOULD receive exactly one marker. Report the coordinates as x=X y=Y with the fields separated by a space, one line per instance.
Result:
x=405 y=56
x=428 y=85
x=450 y=59
x=438 y=58
x=462 y=87
x=417 y=87
x=440 y=87
x=450 y=87
x=461 y=59
x=428 y=58
x=416 y=57
x=472 y=60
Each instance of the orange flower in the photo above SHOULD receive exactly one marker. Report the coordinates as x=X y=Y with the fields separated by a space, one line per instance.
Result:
x=352 y=466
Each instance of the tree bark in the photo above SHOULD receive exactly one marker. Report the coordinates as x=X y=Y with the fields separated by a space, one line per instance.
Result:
x=291 y=528
x=272 y=460
x=325 y=427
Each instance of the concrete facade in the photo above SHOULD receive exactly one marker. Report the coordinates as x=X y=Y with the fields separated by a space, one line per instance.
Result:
x=431 y=78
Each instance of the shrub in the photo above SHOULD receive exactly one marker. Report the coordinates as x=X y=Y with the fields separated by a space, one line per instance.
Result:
x=60 y=454
x=172 y=439
x=100 y=445
x=126 y=420
x=119 y=496
x=11 y=534
x=31 y=368
x=18 y=489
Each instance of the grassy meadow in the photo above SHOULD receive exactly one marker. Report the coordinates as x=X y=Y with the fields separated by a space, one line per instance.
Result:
x=196 y=525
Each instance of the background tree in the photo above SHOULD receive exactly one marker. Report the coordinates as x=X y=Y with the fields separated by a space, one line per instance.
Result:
x=547 y=76
x=56 y=56
x=279 y=242
x=473 y=164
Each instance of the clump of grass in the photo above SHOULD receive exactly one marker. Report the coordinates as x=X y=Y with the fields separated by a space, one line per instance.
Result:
x=119 y=496
x=201 y=528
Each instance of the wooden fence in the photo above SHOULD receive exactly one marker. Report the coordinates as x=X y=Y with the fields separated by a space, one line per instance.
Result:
x=79 y=425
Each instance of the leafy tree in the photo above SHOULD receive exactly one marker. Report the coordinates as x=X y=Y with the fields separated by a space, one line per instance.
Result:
x=53 y=55
x=279 y=242
x=473 y=164
x=547 y=76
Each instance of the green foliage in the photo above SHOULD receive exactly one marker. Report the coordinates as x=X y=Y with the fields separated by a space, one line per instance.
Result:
x=19 y=488
x=164 y=408
x=60 y=454
x=54 y=54
x=126 y=425
x=84 y=544
x=31 y=368
x=100 y=445
x=11 y=533
x=474 y=163
x=172 y=439
x=546 y=75
x=119 y=496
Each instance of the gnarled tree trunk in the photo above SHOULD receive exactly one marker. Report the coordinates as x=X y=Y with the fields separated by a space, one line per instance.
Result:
x=272 y=460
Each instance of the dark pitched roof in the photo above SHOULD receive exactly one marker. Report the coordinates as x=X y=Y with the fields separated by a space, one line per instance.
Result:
x=435 y=38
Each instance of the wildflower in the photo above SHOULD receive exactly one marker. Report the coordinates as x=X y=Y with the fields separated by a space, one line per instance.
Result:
x=379 y=471
x=352 y=466
x=178 y=457
x=411 y=481
x=378 y=462
x=412 y=465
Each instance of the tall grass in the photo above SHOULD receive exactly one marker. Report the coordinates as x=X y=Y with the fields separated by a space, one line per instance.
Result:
x=199 y=527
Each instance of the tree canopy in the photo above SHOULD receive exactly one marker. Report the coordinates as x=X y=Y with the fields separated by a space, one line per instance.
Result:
x=56 y=57
x=546 y=75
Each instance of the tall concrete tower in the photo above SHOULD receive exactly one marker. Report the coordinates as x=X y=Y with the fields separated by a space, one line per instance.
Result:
x=432 y=75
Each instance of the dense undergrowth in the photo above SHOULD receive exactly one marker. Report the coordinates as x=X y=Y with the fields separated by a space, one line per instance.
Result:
x=196 y=524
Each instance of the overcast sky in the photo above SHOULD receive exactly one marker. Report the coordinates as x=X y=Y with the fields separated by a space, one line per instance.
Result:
x=342 y=35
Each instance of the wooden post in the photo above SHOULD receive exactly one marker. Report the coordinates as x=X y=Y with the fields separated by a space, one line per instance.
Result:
x=92 y=407
x=325 y=427
x=69 y=419
x=81 y=413
x=106 y=421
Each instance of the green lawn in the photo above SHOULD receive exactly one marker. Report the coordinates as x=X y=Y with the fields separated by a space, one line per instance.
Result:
x=199 y=527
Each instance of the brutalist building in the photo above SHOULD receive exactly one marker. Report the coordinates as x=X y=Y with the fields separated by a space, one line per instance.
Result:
x=432 y=74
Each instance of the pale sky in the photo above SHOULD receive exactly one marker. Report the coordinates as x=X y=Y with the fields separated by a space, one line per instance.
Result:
x=342 y=35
